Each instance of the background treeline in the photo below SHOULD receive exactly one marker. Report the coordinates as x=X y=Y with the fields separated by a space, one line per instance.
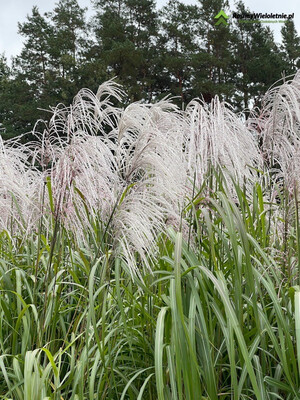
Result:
x=175 y=50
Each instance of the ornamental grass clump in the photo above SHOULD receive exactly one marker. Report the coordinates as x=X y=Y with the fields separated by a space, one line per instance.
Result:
x=101 y=298
x=124 y=168
x=218 y=138
x=130 y=171
x=19 y=189
x=152 y=174
x=279 y=123
x=75 y=151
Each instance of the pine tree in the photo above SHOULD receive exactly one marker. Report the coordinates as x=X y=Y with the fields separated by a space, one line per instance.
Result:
x=177 y=45
x=69 y=33
x=258 y=61
x=16 y=103
x=33 y=61
x=213 y=61
x=68 y=44
x=24 y=93
x=290 y=47
x=5 y=128
x=46 y=71
x=125 y=32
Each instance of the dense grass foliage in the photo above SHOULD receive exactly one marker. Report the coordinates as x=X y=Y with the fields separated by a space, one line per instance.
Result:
x=206 y=307
x=217 y=318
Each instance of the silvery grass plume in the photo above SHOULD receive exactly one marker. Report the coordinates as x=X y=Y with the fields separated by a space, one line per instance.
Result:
x=76 y=152
x=151 y=168
x=218 y=138
x=279 y=121
x=19 y=188
x=127 y=167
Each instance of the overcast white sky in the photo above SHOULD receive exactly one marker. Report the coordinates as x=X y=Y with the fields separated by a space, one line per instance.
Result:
x=14 y=11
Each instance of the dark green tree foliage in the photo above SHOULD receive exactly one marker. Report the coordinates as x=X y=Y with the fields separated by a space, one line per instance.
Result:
x=6 y=130
x=20 y=86
x=290 y=47
x=46 y=71
x=69 y=31
x=33 y=61
x=125 y=32
x=142 y=22
x=266 y=65
x=26 y=91
x=178 y=51
x=17 y=108
x=142 y=32
x=258 y=61
x=177 y=44
x=213 y=62
x=67 y=46
x=243 y=42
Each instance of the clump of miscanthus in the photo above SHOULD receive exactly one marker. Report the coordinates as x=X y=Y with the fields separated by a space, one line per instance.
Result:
x=19 y=189
x=279 y=126
x=135 y=169
x=218 y=138
x=125 y=167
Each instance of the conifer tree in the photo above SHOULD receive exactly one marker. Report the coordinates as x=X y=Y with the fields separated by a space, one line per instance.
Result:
x=258 y=61
x=17 y=103
x=290 y=47
x=125 y=31
x=178 y=43
x=68 y=44
x=34 y=60
x=213 y=62
x=69 y=33
x=178 y=50
x=25 y=90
